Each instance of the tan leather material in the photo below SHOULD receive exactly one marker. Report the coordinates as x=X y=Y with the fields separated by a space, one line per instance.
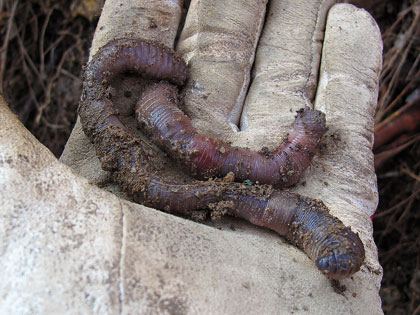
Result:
x=68 y=246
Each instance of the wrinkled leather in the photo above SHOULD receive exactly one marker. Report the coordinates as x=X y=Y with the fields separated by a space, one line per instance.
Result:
x=68 y=246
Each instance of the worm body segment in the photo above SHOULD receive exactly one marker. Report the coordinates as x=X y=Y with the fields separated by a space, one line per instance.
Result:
x=149 y=59
x=159 y=115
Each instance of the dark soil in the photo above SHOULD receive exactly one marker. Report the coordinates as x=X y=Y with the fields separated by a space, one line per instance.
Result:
x=45 y=43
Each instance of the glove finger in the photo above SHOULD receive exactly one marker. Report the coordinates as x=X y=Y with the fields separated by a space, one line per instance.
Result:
x=285 y=71
x=152 y=20
x=218 y=42
x=347 y=93
x=344 y=176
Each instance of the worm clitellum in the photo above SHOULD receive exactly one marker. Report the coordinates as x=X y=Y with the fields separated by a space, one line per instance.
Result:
x=307 y=223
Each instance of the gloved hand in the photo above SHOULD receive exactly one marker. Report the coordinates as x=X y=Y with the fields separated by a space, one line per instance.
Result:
x=95 y=252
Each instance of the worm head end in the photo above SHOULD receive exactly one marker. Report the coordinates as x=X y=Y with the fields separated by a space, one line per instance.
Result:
x=312 y=121
x=342 y=260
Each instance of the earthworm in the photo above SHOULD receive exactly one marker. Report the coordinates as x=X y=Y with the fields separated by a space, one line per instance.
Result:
x=336 y=250
x=158 y=114
x=149 y=59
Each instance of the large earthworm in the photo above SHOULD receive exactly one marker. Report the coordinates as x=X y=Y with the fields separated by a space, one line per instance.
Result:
x=336 y=250
x=158 y=114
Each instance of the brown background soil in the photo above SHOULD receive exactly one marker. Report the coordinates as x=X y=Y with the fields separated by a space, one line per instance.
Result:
x=45 y=43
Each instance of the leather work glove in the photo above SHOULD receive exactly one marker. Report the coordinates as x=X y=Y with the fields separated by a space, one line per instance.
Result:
x=69 y=244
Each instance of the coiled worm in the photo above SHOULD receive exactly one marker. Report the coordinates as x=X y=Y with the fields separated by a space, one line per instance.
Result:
x=336 y=250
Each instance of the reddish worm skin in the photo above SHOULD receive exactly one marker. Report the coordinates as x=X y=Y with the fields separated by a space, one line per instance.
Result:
x=150 y=59
x=307 y=223
x=159 y=115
